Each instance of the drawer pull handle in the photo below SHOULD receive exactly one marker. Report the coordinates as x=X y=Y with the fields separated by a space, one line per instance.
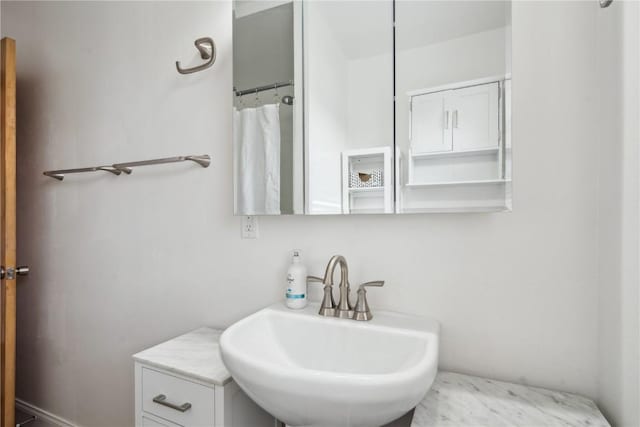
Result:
x=161 y=399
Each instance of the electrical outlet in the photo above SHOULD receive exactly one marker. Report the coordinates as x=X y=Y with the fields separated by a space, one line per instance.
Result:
x=249 y=227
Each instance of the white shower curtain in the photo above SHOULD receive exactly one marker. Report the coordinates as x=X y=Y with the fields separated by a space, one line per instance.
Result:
x=256 y=142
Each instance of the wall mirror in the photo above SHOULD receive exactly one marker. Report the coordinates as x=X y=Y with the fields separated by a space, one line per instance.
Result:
x=348 y=82
x=338 y=111
x=453 y=86
x=267 y=111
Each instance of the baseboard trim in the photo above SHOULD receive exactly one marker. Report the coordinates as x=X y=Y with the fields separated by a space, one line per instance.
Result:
x=46 y=416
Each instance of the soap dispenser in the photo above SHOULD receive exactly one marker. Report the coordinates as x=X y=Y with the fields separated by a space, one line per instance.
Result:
x=296 y=283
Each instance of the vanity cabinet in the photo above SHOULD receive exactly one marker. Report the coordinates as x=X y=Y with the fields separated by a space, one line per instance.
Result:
x=457 y=120
x=183 y=382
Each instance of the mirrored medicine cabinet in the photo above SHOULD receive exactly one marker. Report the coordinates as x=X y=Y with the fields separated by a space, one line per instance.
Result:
x=339 y=111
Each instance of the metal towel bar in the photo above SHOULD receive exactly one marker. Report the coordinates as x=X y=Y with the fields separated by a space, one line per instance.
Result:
x=60 y=173
x=203 y=161
x=117 y=168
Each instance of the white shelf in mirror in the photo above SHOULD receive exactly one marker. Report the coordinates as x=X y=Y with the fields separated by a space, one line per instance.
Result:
x=464 y=153
x=445 y=183
x=368 y=211
x=378 y=199
x=365 y=189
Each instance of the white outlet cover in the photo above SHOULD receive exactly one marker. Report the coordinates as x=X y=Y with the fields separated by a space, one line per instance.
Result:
x=249 y=227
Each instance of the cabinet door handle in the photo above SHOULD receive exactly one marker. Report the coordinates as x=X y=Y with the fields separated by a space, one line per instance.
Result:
x=161 y=399
x=455 y=119
x=446 y=119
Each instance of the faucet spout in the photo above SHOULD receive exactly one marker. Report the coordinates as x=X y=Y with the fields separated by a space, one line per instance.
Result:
x=328 y=306
x=343 y=310
x=331 y=266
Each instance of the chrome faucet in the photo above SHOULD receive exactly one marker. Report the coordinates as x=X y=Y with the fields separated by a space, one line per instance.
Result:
x=344 y=309
x=328 y=306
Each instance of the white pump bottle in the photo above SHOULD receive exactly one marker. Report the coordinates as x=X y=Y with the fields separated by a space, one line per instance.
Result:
x=296 y=283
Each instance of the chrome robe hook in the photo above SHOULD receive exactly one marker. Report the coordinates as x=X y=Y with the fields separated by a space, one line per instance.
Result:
x=207 y=48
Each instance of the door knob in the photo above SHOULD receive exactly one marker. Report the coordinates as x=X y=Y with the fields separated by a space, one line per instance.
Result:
x=10 y=273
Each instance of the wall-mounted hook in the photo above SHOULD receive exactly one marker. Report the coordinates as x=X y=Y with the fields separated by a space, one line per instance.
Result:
x=207 y=48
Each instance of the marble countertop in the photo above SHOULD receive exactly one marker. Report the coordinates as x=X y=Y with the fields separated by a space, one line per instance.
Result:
x=455 y=400
x=195 y=354
x=465 y=401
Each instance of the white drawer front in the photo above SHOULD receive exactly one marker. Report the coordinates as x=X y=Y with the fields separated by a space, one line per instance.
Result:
x=150 y=422
x=177 y=392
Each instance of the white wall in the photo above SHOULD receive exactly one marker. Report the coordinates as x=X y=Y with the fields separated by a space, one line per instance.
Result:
x=244 y=8
x=119 y=264
x=326 y=109
x=462 y=59
x=349 y=94
x=466 y=58
x=370 y=93
x=369 y=96
x=618 y=47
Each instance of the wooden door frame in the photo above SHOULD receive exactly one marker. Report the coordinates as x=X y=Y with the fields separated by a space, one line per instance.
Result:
x=8 y=230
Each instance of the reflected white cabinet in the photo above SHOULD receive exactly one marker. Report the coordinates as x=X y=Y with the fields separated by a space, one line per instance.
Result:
x=458 y=120
x=430 y=130
x=474 y=117
x=456 y=159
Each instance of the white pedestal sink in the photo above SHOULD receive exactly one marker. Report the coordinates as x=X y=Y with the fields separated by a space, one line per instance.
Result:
x=309 y=370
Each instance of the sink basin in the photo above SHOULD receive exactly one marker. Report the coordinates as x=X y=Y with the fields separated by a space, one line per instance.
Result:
x=309 y=370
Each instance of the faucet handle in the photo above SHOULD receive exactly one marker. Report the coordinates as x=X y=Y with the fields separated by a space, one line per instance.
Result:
x=328 y=305
x=362 y=311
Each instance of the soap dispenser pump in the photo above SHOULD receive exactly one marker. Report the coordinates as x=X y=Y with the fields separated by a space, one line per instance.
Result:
x=296 y=283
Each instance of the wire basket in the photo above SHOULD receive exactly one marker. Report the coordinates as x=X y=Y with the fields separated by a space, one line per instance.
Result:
x=366 y=179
